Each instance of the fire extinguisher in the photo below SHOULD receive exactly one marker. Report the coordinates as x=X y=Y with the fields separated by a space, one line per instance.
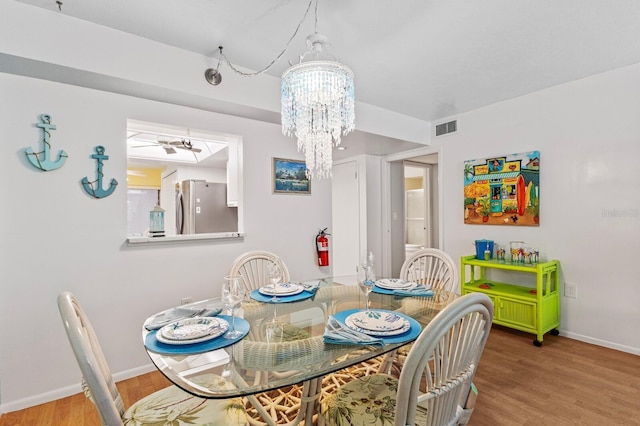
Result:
x=322 y=246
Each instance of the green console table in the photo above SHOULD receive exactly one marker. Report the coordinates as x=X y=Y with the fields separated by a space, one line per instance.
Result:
x=534 y=310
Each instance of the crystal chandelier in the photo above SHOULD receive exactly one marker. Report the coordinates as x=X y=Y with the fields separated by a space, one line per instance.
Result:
x=317 y=106
x=317 y=98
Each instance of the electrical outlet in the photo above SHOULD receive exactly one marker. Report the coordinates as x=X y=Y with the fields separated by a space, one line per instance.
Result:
x=570 y=290
x=185 y=300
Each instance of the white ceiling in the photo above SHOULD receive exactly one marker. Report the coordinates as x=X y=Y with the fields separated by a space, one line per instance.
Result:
x=427 y=59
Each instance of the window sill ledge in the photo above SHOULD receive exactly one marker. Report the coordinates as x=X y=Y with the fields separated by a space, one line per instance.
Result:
x=173 y=239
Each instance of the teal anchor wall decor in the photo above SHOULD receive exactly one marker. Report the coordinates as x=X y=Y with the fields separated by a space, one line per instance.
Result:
x=97 y=191
x=41 y=159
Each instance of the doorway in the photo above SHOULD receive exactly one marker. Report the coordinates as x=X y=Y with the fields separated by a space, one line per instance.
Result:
x=413 y=215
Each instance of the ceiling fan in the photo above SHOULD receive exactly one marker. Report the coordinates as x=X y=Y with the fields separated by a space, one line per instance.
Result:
x=170 y=145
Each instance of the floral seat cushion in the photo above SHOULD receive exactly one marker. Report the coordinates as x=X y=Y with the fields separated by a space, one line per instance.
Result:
x=172 y=406
x=370 y=400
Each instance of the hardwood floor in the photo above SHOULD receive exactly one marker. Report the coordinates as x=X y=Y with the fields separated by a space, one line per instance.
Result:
x=564 y=382
x=77 y=410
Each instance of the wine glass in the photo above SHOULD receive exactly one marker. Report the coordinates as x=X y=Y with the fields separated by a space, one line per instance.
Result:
x=366 y=258
x=232 y=296
x=228 y=371
x=366 y=280
x=274 y=273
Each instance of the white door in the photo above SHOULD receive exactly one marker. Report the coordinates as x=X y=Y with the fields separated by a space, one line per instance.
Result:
x=417 y=205
x=345 y=235
x=168 y=202
x=415 y=210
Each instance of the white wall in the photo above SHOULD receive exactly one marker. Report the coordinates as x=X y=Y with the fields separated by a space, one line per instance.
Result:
x=210 y=174
x=56 y=238
x=434 y=205
x=588 y=135
x=396 y=219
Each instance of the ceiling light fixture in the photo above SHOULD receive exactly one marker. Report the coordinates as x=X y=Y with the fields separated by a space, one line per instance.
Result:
x=317 y=105
x=317 y=99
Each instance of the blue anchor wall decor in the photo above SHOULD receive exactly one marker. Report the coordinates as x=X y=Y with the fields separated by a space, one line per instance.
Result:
x=97 y=191
x=41 y=159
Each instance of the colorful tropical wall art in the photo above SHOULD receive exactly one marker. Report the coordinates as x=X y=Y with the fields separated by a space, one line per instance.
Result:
x=503 y=190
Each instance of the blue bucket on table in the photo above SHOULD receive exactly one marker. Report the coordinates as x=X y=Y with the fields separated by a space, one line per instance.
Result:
x=482 y=246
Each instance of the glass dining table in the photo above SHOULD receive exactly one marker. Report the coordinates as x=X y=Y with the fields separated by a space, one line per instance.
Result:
x=284 y=344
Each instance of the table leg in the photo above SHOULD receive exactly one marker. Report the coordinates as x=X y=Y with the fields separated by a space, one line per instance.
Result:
x=311 y=391
x=307 y=402
x=263 y=413
x=311 y=394
x=387 y=362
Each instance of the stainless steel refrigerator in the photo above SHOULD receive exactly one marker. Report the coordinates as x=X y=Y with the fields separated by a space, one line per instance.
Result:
x=201 y=207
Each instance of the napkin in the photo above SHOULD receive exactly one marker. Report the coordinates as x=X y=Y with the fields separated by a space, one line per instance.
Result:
x=416 y=291
x=176 y=314
x=337 y=333
x=310 y=287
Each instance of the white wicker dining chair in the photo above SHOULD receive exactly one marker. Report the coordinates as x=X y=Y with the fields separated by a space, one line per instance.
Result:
x=252 y=267
x=433 y=380
x=431 y=267
x=167 y=406
x=281 y=404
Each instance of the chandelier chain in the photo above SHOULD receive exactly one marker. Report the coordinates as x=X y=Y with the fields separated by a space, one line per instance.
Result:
x=277 y=58
x=315 y=22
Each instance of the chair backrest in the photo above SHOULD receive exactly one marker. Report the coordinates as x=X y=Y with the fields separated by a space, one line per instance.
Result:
x=98 y=383
x=252 y=267
x=445 y=358
x=431 y=267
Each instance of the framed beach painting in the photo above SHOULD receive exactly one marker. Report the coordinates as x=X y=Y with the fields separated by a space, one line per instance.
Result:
x=503 y=190
x=290 y=177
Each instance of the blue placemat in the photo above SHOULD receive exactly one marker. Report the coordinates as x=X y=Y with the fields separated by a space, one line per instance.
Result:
x=410 y=334
x=152 y=343
x=381 y=290
x=256 y=295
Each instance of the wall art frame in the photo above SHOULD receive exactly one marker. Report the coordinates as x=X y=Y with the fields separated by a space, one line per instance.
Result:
x=290 y=177
x=503 y=190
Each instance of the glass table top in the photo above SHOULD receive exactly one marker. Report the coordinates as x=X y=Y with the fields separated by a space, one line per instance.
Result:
x=284 y=345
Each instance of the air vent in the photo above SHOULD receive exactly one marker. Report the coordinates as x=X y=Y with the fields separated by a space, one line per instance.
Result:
x=444 y=128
